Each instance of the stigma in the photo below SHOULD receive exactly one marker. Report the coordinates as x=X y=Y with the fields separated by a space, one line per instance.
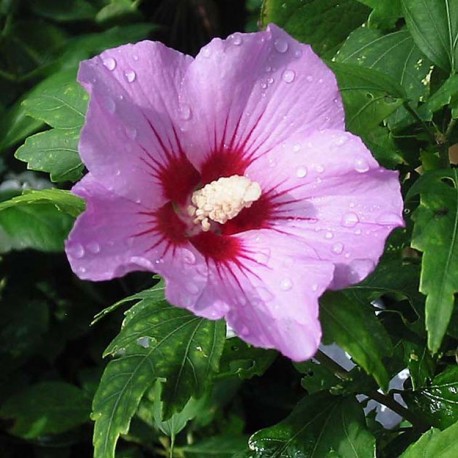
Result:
x=222 y=200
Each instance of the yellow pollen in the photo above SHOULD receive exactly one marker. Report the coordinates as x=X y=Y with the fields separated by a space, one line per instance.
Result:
x=222 y=200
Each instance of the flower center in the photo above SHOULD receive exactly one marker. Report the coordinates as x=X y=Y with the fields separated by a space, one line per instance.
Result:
x=222 y=200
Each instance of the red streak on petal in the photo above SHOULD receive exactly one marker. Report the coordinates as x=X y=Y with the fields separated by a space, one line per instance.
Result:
x=258 y=216
x=223 y=164
x=170 y=225
x=219 y=248
x=179 y=179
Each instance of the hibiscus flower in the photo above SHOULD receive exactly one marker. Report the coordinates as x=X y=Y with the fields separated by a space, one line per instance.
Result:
x=232 y=176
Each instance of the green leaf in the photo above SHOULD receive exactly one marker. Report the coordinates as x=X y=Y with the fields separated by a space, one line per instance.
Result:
x=38 y=219
x=395 y=55
x=385 y=12
x=70 y=10
x=46 y=408
x=243 y=360
x=63 y=201
x=16 y=124
x=54 y=151
x=324 y=24
x=441 y=98
x=434 y=27
x=437 y=402
x=316 y=377
x=369 y=96
x=435 y=234
x=419 y=362
x=223 y=446
x=434 y=444
x=320 y=425
x=156 y=341
x=356 y=329
x=61 y=106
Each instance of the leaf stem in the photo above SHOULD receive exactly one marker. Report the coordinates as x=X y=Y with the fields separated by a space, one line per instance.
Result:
x=384 y=399
x=425 y=126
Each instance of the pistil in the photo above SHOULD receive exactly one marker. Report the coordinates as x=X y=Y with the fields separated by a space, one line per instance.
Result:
x=222 y=200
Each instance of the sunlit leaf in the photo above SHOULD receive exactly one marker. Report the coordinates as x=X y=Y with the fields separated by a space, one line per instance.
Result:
x=54 y=151
x=156 y=341
x=322 y=23
x=434 y=27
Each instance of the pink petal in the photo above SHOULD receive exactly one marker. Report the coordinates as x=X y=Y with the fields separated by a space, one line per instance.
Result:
x=113 y=237
x=270 y=295
x=131 y=128
x=250 y=92
x=332 y=194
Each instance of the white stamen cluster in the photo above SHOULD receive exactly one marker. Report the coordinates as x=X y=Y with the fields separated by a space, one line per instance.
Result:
x=222 y=200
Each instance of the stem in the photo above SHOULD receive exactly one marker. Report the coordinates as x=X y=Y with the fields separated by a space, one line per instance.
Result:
x=384 y=399
x=427 y=129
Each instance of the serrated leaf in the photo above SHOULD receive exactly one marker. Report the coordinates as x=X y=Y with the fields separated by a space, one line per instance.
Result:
x=64 y=201
x=434 y=444
x=320 y=425
x=369 y=96
x=46 y=408
x=435 y=234
x=322 y=23
x=437 y=402
x=434 y=27
x=60 y=106
x=356 y=329
x=156 y=341
x=54 y=151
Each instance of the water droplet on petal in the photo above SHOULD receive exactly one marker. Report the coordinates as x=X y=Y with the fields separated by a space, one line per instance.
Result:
x=270 y=80
x=263 y=85
x=144 y=341
x=93 y=247
x=189 y=257
x=244 y=331
x=281 y=45
x=109 y=63
x=339 y=141
x=77 y=251
x=262 y=256
x=309 y=78
x=319 y=168
x=298 y=53
x=361 y=166
x=131 y=132
x=237 y=39
x=206 y=52
x=301 y=172
x=192 y=287
x=296 y=148
x=135 y=57
x=337 y=248
x=268 y=69
x=288 y=76
x=314 y=287
x=329 y=235
x=130 y=76
x=264 y=294
x=110 y=104
x=350 y=219
x=286 y=284
x=185 y=112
